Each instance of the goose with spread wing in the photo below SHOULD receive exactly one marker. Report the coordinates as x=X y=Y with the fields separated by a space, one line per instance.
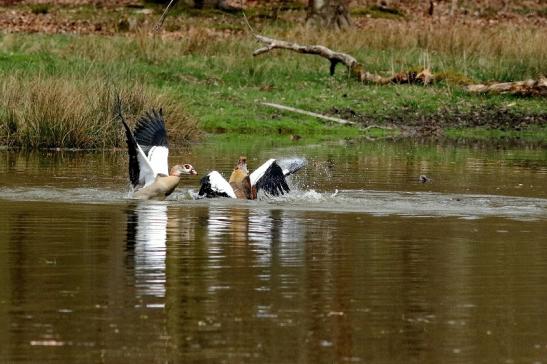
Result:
x=269 y=177
x=148 y=149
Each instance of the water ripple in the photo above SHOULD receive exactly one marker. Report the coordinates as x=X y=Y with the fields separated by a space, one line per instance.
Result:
x=378 y=203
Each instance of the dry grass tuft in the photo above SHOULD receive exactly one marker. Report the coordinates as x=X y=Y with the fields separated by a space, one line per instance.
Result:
x=499 y=52
x=48 y=112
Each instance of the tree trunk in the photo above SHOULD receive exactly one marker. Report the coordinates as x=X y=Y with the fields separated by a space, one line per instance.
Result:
x=328 y=13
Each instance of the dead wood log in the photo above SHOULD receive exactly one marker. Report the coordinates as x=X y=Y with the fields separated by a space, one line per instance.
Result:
x=523 y=88
x=423 y=77
x=356 y=69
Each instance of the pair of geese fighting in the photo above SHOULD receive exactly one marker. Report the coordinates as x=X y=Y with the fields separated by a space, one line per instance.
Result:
x=151 y=179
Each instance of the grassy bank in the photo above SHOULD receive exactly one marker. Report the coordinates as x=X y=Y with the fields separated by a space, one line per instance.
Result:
x=45 y=111
x=203 y=70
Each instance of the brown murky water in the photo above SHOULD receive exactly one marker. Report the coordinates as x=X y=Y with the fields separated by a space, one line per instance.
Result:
x=359 y=264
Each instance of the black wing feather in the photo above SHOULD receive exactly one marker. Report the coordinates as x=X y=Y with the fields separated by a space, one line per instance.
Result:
x=150 y=131
x=134 y=169
x=273 y=181
x=206 y=190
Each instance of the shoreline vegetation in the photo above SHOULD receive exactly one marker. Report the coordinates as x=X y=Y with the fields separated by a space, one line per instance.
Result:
x=60 y=72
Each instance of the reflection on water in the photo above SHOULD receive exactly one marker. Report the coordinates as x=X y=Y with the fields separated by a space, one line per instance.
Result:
x=146 y=246
x=159 y=282
x=425 y=274
x=258 y=229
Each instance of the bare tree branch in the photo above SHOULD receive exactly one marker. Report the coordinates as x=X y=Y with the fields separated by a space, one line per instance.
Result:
x=245 y=18
x=309 y=113
x=159 y=24
x=324 y=117
x=424 y=77
x=319 y=50
x=355 y=68
x=524 y=88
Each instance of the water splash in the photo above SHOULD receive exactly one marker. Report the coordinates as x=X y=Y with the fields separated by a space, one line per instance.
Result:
x=427 y=204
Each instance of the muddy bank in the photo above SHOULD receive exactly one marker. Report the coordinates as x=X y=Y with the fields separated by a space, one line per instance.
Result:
x=434 y=124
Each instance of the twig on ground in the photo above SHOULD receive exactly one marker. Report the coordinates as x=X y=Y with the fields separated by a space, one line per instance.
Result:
x=324 y=117
x=245 y=18
x=159 y=24
x=309 y=113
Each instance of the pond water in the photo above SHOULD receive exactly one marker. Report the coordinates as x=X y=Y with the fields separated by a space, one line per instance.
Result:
x=360 y=263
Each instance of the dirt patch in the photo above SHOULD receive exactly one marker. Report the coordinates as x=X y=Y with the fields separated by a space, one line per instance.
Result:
x=67 y=16
x=102 y=3
x=108 y=16
x=433 y=124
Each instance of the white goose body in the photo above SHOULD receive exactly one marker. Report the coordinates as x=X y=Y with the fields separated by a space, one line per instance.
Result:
x=148 y=149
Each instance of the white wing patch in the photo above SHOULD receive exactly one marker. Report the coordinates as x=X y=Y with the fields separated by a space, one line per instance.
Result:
x=259 y=172
x=150 y=167
x=220 y=185
x=146 y=172
x=158 y=157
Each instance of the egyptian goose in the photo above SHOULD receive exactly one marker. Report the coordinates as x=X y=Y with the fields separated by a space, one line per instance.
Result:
x=148 y=151
x=269 y=177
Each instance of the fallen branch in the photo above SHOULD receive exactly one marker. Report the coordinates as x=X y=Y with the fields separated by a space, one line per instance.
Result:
x=424 y=77
x=355 y=68
x=309 y=113
x=333 y=57
x=523 y=88
x=321 y=116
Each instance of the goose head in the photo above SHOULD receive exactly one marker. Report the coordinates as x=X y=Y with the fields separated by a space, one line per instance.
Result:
x=242 y=165
x=181 y=169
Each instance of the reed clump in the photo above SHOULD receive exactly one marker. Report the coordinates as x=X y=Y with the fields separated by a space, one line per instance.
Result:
x=66 y=112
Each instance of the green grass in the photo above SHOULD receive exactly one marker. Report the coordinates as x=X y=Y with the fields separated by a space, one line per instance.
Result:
x=40 y=8
x=376 y=11
x=538 y=134
x=217 y=82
